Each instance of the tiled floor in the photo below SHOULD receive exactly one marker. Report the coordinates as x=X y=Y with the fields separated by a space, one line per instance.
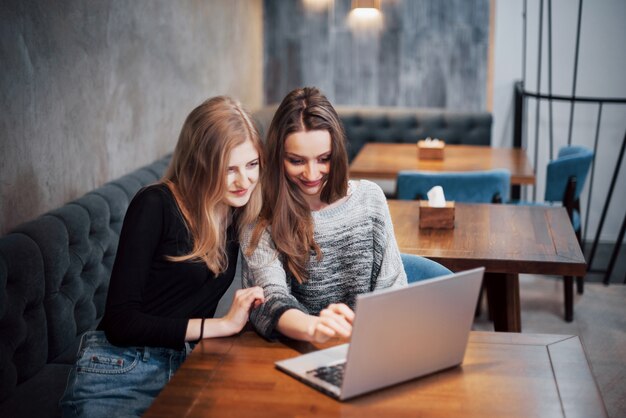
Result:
x=599 y=321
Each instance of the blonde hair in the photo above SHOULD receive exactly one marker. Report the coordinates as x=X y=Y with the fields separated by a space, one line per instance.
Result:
x=197 y=177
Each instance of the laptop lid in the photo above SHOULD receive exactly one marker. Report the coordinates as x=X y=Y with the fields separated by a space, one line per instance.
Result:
x=398 y=335
x=401 y=334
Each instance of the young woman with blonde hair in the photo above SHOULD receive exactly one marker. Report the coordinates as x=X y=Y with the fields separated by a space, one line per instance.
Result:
x=321 y=239
x=176 y=258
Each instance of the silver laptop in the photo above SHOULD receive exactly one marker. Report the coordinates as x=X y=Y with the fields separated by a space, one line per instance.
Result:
x=397 y=335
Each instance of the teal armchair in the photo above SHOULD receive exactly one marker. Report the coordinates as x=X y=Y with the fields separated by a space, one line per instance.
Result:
x=565 y=179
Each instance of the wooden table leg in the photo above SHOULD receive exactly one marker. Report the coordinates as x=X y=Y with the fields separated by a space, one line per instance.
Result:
x=503 y=300
x=568 y=294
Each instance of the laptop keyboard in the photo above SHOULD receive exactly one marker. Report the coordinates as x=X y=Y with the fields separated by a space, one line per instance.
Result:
x=331 y=374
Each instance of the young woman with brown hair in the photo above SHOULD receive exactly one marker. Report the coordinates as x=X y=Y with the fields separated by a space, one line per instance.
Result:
x=321 y=239
x=176 y=258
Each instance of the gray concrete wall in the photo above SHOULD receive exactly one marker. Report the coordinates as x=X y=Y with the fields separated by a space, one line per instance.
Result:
x=426 y=53
x=91 y=90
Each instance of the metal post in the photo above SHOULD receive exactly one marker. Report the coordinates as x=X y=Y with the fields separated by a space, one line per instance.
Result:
x=571 y=113
x=550 y=118
x=523 y=132
x=618 y=244
x=519 y=112
x=606 y=203
x=593 y=169
x=524 y=46
x=536 y=154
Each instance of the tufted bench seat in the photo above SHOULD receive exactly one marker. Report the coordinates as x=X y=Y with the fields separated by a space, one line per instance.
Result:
x=408 y=125
x=54 y=274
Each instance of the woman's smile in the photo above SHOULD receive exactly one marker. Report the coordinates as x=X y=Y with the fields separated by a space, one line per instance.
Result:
x=314 y=183
x=239 y=192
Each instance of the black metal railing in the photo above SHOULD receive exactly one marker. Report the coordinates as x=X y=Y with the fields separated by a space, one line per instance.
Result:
x=521 y=96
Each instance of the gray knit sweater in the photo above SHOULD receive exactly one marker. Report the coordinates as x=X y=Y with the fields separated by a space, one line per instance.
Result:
x=360 y=254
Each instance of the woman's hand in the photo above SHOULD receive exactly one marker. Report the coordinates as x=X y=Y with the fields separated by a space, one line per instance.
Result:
x=243 y=302
x=334 y=321
x=233 y=322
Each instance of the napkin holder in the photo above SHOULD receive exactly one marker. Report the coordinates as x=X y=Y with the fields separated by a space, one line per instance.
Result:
x=436 y=218
x=430 y=150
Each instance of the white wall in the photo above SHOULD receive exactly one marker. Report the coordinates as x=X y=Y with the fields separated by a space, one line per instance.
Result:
x=601 y=73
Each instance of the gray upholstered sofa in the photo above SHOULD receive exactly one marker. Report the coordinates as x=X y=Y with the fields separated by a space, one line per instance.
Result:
x=394 y=124
x=54 y=274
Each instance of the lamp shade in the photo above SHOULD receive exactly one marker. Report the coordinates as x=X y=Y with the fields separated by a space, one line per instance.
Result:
x=366 y=4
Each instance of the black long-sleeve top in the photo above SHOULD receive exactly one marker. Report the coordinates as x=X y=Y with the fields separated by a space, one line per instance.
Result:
x=151 y=299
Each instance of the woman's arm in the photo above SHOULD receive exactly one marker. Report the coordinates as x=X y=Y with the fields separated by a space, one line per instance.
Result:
x=334 y=321
x=124 y=321
x=264 y=268
x=392 y=272
x=233 y=322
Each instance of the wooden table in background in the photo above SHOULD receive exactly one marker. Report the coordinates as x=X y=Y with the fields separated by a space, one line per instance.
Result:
x=503 y=375
x=383 y=161
x=506 y=239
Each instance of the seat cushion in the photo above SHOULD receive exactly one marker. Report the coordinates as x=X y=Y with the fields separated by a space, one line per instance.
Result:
x=38 y=397
x=23 y=326
x=420 y=268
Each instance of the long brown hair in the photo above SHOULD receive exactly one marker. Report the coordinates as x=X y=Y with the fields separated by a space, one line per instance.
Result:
x=284 y=208
x=197 y=177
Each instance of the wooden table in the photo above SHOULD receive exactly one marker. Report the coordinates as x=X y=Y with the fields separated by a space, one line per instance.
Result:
x=503 y=375
x=383 y=161
x=506 y=239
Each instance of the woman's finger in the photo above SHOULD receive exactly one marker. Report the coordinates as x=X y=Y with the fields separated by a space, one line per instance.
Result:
x=258 y=293
x=343 y=310
x=249 y=300
x=245 y=297
x=338 y=315
x=322 y=332
x=338 y=325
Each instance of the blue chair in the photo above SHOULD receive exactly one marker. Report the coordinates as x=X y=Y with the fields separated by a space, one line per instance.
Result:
x=565 y=179
x=419 y=268
x=491 y=186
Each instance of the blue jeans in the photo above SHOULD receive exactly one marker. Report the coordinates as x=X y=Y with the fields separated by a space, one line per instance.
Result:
x=111 y=381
